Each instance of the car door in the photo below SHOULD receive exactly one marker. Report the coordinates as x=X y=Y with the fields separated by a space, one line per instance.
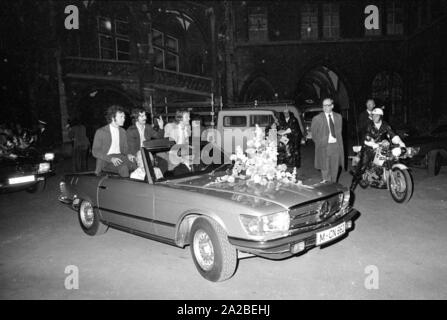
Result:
x=127 y=203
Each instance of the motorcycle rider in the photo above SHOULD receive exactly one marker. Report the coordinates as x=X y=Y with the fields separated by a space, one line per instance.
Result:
x=376 y=131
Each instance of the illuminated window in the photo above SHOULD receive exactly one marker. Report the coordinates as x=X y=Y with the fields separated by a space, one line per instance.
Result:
x=394 y=18
x=309 y=21
x=331 y=21
x=113 y=38
x=166 y=51
x=257 y=24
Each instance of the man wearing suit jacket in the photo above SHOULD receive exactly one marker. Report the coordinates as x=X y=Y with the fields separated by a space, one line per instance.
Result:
x=140 y=131
x=327 y=135
x=110 y=145
x=365 y=118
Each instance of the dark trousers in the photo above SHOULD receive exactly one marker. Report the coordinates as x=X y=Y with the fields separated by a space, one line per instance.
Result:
x=366 y=157
x=124 y=169
x=80 y=159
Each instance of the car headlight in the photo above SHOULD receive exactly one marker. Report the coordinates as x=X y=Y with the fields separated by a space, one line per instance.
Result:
x=44 y=167
x=272 y=224
x=48 y=156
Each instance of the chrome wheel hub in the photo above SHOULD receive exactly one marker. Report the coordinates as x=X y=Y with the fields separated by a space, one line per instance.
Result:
x=203 y=250
x=87 y=215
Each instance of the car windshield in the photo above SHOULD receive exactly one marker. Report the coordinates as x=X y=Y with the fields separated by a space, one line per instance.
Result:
x=183 y=161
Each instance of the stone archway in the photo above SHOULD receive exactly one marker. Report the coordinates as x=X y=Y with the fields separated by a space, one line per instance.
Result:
x=259 y=89
x=321 y=81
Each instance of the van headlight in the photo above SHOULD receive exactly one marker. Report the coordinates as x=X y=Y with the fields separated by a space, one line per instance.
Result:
x=43 y=167
x=48 y=156
x=272 y=224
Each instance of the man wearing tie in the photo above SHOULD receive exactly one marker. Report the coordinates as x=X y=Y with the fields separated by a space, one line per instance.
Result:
x=326 y=130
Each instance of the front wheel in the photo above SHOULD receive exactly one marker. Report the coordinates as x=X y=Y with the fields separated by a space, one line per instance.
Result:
x=89 y=219
x=401 y=185
x=215 y=258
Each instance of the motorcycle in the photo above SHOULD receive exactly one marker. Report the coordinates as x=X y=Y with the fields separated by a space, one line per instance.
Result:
x=386 y=171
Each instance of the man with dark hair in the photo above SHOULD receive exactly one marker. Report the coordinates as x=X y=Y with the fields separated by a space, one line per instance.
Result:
x=140 y=131
x=327 y=134
x=110 y=145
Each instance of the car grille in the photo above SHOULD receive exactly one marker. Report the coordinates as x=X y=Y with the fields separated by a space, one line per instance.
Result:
x=310 y=214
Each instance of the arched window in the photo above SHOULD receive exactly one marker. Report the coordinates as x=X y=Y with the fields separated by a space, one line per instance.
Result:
x=259 y=89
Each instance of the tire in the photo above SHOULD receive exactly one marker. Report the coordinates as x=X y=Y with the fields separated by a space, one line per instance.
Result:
x=89 y=219
x=434 y=163
x=208 y=237
x=38 y=187
x=403 y=191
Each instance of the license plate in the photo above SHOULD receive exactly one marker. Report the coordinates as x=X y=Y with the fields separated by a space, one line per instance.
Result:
x=22 y=179
x=330 y=234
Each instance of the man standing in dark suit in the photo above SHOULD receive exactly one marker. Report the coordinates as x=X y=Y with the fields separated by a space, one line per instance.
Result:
x=110 y=145
x=327 y=135
x=140 y=131
x=365 y=118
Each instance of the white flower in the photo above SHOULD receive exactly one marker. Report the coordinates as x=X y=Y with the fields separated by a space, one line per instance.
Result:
x=230 y=179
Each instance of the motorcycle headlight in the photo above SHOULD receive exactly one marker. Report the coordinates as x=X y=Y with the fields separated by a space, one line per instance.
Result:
x=356 y=148
x=396 y=152
x=44 y=167
x=48 y=156
x=269 y=225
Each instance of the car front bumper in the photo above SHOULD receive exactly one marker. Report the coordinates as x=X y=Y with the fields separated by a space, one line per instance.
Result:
x=282 y=248
x=7 y=186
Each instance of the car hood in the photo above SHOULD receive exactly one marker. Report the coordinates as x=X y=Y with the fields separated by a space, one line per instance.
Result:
x=9 y=165
x=256 y=195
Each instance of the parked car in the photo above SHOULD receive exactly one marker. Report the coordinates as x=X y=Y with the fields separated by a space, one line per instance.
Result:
x=26 y=169
x=309 y=112
x=432 y=148
x=220 y=221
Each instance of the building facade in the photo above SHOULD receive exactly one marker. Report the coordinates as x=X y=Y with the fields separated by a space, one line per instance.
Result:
x=170 y=54
x=306 y=50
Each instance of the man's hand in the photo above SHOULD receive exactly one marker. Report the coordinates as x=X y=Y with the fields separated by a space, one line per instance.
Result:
x=131 y=157
x=116 y=161
x=160 y=122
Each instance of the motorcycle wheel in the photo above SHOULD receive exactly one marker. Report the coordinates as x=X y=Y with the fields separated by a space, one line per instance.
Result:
x=402 y=190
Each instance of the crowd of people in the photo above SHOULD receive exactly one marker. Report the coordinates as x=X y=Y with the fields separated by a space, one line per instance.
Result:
x=14 y=137
x=118 y=150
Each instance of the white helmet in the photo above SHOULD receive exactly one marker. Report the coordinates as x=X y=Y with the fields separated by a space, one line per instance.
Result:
x=377 y=111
